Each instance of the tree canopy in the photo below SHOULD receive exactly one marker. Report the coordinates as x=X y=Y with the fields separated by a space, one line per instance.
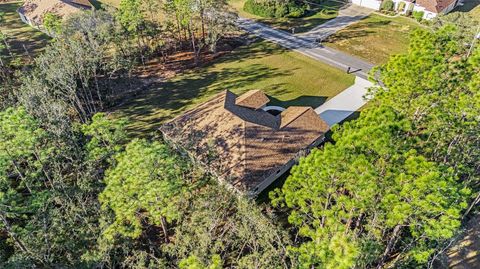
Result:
x=144 y=184
x=405 y=169
x=77 y=190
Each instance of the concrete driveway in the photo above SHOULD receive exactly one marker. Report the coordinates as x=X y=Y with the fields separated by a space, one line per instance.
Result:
x=345 y=103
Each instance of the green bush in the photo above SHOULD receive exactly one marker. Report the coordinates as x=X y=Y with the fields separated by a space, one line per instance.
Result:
x=281 y=10
x=387 y=5
x=418 y=15
x=275 y=8
x=401 y=7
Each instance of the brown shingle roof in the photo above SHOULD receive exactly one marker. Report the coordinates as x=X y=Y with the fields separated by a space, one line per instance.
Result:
x=435 y=6
x=254 y=99
x=244 y=146
x=35 y=10
x=291 y=114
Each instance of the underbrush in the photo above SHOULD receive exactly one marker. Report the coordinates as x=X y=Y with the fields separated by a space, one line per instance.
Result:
x=275 y=9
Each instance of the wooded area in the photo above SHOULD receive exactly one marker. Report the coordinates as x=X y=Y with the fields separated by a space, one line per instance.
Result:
x=77 y=191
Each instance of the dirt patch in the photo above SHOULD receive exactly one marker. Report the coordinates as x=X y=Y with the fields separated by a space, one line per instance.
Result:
x=160 y=68
x=170 y=66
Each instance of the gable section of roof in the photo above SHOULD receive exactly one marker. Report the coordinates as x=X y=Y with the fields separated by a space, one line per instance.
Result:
x=255 y=116
x=291 y=114
x=253 y=99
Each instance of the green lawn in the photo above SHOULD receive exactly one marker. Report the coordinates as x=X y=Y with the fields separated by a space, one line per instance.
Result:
x=374 y=38
x=20 y=35
x=319 y=14
x=288 y=77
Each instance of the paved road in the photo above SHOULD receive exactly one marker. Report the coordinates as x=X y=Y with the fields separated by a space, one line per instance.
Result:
x=346 y=16
x=305 y=46
x=345 y=103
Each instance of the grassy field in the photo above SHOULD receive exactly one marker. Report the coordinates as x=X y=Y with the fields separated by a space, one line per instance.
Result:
x=374 y=38
x=288 y=77
x=20 y=34
x=327 y=10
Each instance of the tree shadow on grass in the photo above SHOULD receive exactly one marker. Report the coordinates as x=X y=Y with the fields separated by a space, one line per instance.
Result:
x=27 y=40
x=97 y=4
x=20 y=36
x=164 y=101
x=255 y=50
x=11 y=16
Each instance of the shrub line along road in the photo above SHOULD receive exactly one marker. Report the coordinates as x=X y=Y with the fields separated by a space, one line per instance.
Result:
x=347 y=15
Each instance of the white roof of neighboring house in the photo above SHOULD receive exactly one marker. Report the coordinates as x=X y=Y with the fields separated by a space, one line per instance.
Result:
x=35 y=10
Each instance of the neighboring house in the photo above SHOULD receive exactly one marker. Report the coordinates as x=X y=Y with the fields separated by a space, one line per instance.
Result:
x=32 y=12
x=430 y=8
x=245 y=146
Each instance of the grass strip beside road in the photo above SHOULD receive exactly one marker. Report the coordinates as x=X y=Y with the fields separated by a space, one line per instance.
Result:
x=374 y=38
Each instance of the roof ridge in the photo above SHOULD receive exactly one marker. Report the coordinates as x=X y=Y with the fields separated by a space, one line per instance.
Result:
x=253 y=99
x=282 y=125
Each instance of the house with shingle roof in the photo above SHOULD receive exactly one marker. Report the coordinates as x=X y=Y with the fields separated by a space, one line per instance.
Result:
x=33 y=12
x=430 y=8
x=246 y=147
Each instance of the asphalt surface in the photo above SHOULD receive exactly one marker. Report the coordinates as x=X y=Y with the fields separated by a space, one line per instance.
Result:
x=347 y=15
x=306 y=46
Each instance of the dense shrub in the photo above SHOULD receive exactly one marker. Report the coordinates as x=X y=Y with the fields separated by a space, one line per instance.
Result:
x=275 y=8
x=418 y=15
x=387 y=5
